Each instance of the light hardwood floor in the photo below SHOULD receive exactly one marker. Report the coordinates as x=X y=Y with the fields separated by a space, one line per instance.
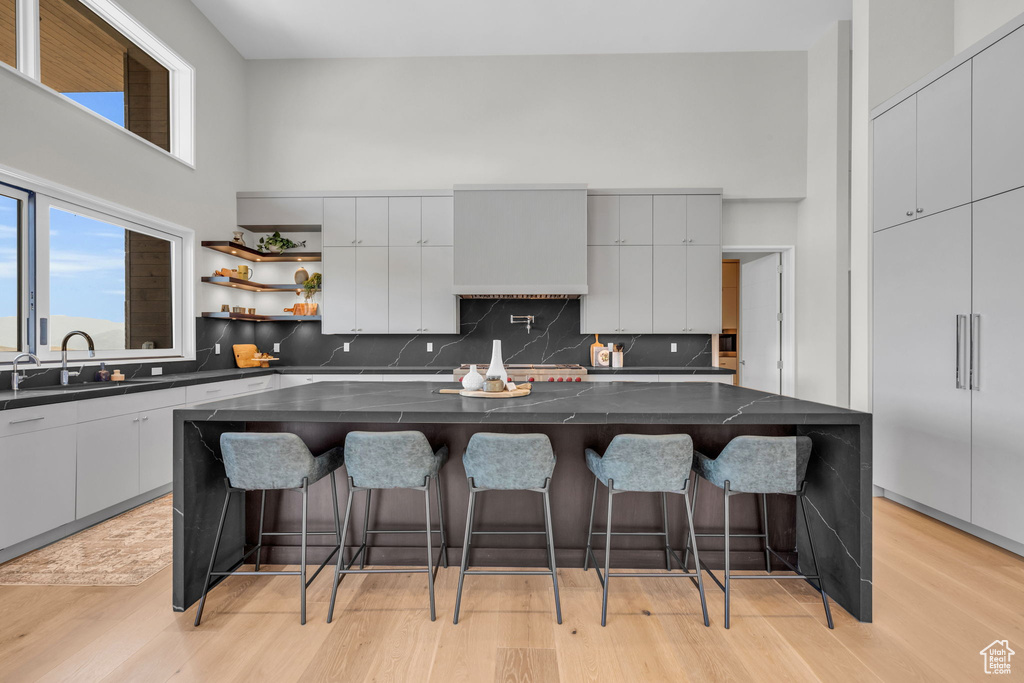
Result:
x=940 y=597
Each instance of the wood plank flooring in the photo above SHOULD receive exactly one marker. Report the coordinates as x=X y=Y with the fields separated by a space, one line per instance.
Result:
x=940 y=597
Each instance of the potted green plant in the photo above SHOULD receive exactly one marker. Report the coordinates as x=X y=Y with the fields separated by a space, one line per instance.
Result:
x=276 y=244
x=310 y=287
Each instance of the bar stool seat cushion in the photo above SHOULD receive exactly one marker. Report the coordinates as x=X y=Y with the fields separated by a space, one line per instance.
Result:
x=511 y=462
x=254 y=460
x=644 y=462
x=758 y=464
x=389 y=460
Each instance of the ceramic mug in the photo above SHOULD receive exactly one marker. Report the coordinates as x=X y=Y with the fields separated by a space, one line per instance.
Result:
x=225 y=308
x=245 y=272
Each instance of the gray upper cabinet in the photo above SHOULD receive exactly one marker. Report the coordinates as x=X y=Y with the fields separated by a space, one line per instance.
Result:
x=404 y=221
x=404 y=290
x=999 y=117
x=669 y=283
x=371 y=221
x=339 y=290
x=703 y=290
x=670 y=219
x=339 y=222
x=602 y=220
x=636 y=289
x=636 y=220
x=704 y=219
x=944 y=143
x=280 y=213
x=895 y=165
x=438 y=221
x=440 y=307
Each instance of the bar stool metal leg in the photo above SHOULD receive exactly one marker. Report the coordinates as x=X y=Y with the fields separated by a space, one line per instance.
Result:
x=366 y=526
x=590 y=528
x=550 y=538
x=814 y=561
x=341 y=556
x=337 y=519
x=686 y=550
x=607 y=555
x=465 y=553
x=664 y=521
x=259 y=539
x=696 y=558
x=213 y=556
x=302 y=559
x=430 y=549
x=440 y=518
x=764 y=530
x=726 y=554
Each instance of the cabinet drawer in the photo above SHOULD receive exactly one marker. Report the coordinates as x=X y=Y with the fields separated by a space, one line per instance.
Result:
x=25 y=420
x=111 y=406
x=234 y=387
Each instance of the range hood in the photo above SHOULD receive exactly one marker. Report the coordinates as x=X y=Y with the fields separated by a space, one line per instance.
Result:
x=521 y=241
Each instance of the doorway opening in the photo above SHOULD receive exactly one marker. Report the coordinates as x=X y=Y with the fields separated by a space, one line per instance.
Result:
x=758 y=321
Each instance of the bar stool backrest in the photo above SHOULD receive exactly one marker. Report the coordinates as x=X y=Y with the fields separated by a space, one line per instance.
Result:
x=388 y=460
x=648 y=462
x=764 y=464
x=511 y=462
x=265 y=461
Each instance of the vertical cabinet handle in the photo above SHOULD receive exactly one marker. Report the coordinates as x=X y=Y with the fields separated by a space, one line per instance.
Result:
x=960 y=318
x=975 y=346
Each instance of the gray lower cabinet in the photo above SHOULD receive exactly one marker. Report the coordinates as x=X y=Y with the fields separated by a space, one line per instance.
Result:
x=108 y=463
x=998 y=397
x=439 y=307
x=703 y=289
x=404 y=290
x=37 y=488
x=636 y=289
x=998 y=113
x=156 y=448
x=922 y=420
x=371 y=290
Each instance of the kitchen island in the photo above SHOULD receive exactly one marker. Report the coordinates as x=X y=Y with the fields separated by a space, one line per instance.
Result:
x=575 y=417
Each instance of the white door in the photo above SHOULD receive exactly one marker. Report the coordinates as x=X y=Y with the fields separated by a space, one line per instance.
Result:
x=760 y=328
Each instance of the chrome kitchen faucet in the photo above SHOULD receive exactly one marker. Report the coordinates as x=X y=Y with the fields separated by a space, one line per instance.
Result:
x=64 y=374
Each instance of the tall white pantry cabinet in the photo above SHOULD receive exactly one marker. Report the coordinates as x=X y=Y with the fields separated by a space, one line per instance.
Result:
x=948 y=215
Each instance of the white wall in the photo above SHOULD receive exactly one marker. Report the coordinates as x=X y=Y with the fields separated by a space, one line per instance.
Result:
x=822 y=258
x=733 y=120
x=975 y=19
x=44 y=135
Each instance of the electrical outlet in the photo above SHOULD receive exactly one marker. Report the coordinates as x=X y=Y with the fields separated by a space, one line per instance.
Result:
x=674 y=347
x=157 y=371
x=346 y=347
x=277 y=346
x=216 y=349
x=430 y=346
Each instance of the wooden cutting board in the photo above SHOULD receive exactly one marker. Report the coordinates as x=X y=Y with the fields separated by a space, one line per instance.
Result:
x=521 y=390
x=244 y=357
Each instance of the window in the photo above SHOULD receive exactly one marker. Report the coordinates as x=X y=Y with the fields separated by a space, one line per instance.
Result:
x=94 y=53
x=12 y=274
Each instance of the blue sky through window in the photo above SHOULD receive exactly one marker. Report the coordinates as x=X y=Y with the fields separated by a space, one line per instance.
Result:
x=109 y=105
x=86 y=267
x=8 y=272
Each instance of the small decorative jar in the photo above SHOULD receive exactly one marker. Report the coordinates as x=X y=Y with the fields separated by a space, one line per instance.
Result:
x=473 y=381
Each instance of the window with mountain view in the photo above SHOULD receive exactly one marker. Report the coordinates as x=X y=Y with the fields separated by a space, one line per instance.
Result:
x=10 y=299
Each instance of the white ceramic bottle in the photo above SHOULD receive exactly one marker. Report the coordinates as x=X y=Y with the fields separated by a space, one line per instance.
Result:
x=496 y=369
x=473 y=381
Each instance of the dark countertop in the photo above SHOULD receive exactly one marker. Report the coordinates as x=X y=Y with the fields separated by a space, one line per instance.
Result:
x=594 y=403
x=85 y=390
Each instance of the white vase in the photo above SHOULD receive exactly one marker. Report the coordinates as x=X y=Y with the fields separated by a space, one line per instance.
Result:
x=473 y=381
x=496 y=368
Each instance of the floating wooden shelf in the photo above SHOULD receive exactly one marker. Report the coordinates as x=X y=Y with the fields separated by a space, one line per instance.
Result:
x=250 y=254
x=261 y=318
x=249 y=285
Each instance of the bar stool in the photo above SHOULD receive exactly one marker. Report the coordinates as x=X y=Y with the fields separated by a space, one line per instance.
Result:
x=761 y=465
x=647 y=463
x=509 y=462
x=391 y=460
x=262 y=462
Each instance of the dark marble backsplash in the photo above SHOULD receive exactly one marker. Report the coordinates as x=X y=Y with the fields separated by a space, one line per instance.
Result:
x=554 y=338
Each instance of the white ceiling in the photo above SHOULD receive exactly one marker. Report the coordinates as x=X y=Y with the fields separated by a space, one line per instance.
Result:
x=292 y=29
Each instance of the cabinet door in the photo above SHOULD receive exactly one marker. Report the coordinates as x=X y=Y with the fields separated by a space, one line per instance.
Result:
x=155 y=448
x=439 y=309
x=704 y=290
x=372 y=221
x=602 y=298
x=894 y=183
x=37 y=489
x=704 y=219
x=603 y=220
x=670 y=219
x=636 y=290
x=339 y=222
x=998 y=115
x=636 y=220
x=372 y=290
x=944 y=142
x=339 y=290
x=922 y=422
x=404 y=290
x=998 y=402
x=404 y=221
x=438 y=221
x=670 y=289
x=263 y=213
x=108 y=463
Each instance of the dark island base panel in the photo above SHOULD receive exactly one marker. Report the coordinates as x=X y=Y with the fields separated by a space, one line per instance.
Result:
x=836 y=485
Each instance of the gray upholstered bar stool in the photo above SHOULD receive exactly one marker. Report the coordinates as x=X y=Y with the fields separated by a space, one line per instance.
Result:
x=509 y=462
x=761 y=465
x=648 y=463
x=391 y=460
x=262 y=462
